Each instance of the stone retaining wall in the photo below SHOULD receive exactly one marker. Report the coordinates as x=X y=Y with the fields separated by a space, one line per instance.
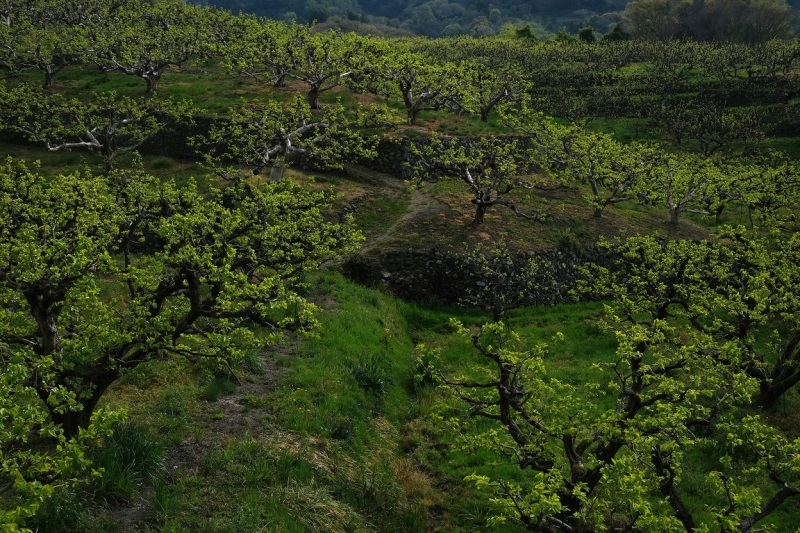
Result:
x=433 y=275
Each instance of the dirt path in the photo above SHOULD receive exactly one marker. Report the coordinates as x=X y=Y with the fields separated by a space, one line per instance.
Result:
x=233 y=415
x=421 y=205
x=243 y=412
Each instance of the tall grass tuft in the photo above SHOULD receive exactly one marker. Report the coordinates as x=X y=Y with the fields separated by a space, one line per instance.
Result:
x=165 y=500
x=219 y=385
x=373 y=374
x=130 y=458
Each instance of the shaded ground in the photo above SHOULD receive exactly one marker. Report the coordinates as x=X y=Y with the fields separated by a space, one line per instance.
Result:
x=421 y=209
x=440 y=216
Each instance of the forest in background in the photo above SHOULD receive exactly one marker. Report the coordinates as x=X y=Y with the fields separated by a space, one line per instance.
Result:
x=467 y=17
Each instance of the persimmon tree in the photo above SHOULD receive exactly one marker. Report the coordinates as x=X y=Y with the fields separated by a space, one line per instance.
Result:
x=686 y=183
x=739 y=290
x=144 y=39
x=770 y=188
x=711 y=127
x=46 y=36
x=610 y=452
x=488 y=86
x=498 y=279
x=111 y=126
x=323 y=60
x=35 y=454
x=573 y=156
x=101 y=274
x=421 y=82
x=273 y=51
x=55 y=236
x=276 y=134
x=487 y=166
x=261 y=49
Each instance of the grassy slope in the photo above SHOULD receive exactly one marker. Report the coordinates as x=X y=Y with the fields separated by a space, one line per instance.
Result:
x=338 y=436
x=346 y=438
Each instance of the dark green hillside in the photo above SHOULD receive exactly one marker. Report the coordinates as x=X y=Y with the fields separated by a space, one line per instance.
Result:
x=439 y=17
x=728 y=20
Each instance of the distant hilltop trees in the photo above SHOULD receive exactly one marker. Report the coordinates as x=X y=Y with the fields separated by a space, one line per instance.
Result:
x=744 y=21
x=748 y=21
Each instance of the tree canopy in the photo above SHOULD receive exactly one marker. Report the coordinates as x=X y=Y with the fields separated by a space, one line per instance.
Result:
x=190 y=276
x=104 y=273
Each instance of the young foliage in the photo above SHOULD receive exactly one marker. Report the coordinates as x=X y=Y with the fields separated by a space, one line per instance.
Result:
x=770 y=188
x=739 y=290
x=36 y=456
x=500 y=280
x=572 y=155
x=323 y=60
x=684 y=182
x=143 y=39
x=488 y=86
x=276 y=134
x=46 y=35
x=712 y=127
x=55 y=235
x=110 y=125
x=423 y=84
x=261 y=49
x=102 y=274
x=487 y=166
x=609 y=454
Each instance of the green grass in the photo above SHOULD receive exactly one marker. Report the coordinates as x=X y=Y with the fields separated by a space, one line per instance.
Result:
x=216 y=387
x=370 y=333
x=328 y=458
x=130 y=459
x=788 y=145
x=65 y=511
x=362 y=367
x=164 y=396
x=378 y=215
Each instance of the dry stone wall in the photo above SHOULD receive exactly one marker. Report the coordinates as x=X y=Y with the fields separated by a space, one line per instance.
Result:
x=433 y=275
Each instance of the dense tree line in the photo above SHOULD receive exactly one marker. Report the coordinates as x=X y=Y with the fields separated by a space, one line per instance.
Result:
x=434 y=17
x=728 y=20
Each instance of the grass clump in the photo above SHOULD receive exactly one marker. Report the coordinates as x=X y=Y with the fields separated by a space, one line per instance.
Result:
x=129 y=459
x=373 y=374
x=217 y=386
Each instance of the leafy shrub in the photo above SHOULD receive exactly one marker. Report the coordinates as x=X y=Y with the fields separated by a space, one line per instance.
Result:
x=567 y=238
x=63 y=512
